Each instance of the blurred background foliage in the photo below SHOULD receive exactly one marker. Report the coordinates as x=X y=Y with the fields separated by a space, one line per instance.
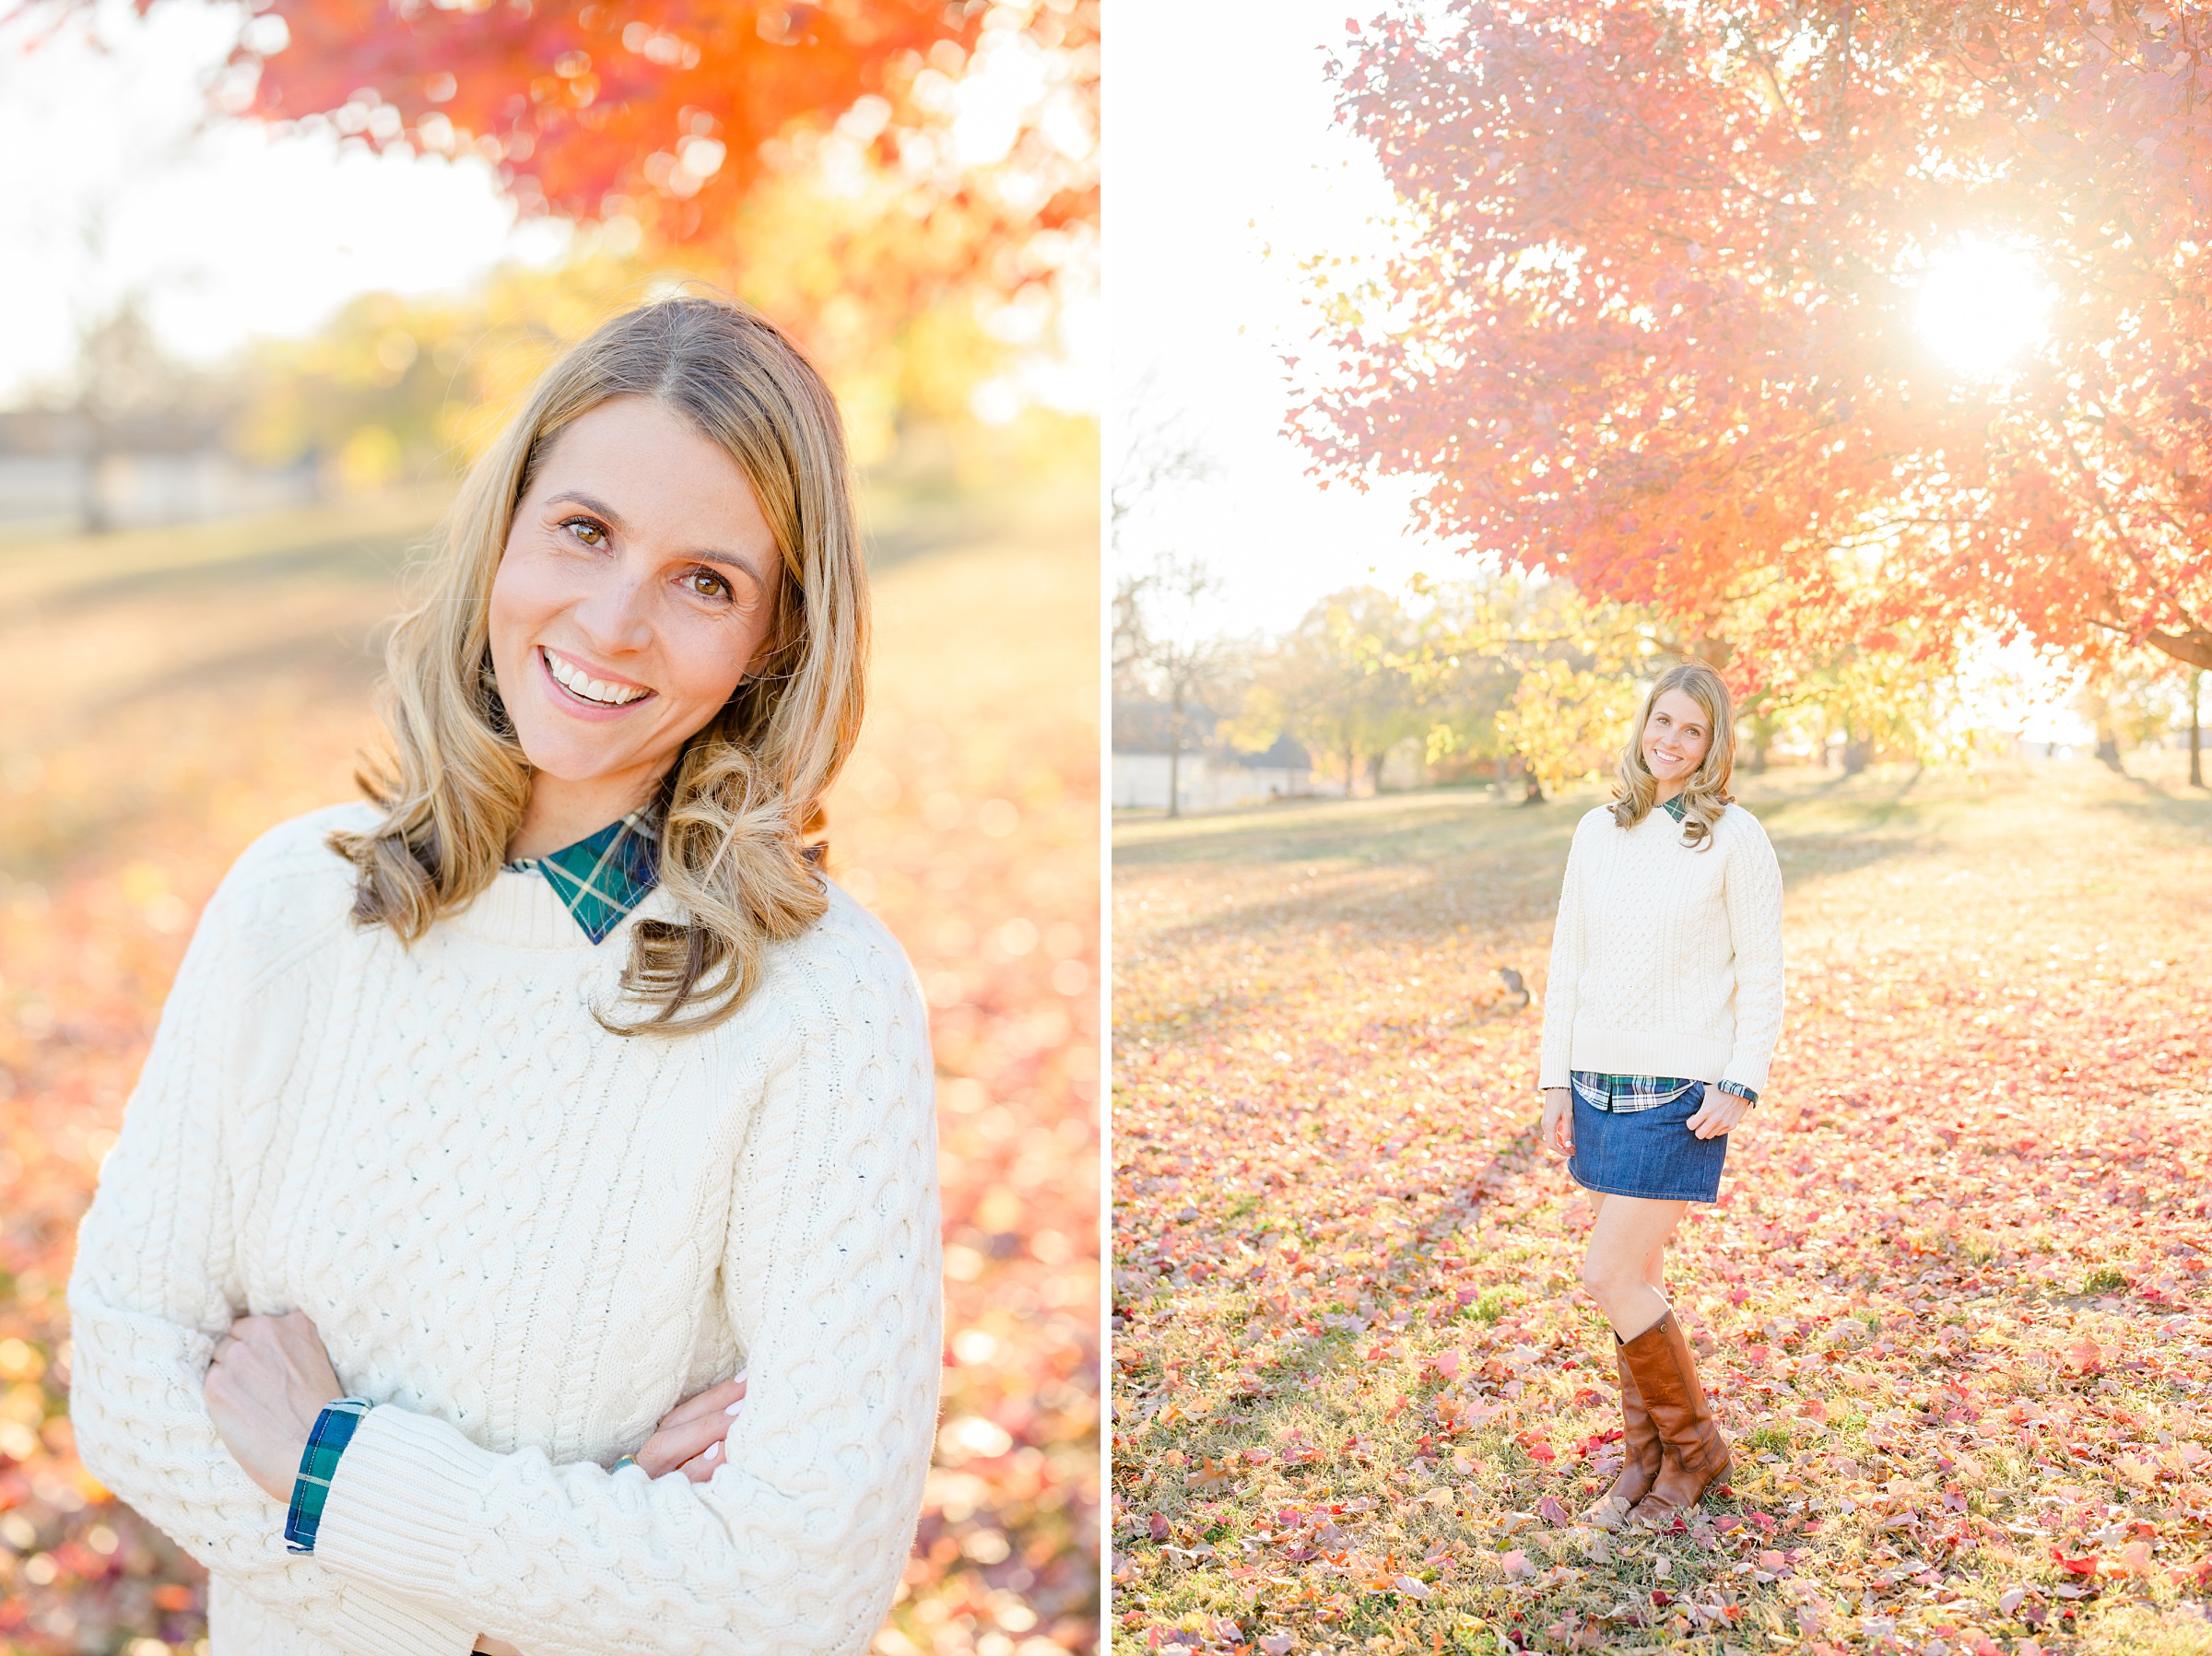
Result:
x=911 y=189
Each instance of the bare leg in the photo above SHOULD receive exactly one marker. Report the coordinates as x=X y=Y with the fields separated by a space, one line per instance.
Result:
x=1623 y=1270
x=1655 y=1267
x=1641 y=1459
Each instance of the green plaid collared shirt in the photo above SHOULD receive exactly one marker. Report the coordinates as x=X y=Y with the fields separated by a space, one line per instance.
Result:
x=1625 y=1095
x=602 y=876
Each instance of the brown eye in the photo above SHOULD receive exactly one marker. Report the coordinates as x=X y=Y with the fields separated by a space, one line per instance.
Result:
x=584 y=529
x=705 y=584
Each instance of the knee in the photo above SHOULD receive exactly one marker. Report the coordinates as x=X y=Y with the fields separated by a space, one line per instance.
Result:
x=1604 y=1281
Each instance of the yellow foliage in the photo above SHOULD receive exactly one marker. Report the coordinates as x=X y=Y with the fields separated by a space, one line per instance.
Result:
x=1567 y=722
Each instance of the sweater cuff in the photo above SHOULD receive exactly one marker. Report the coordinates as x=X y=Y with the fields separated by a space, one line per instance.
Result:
x=401 y=1504
x=367 y=1620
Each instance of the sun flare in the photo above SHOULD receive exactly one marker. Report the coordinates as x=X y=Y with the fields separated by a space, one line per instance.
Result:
x=1983 y=305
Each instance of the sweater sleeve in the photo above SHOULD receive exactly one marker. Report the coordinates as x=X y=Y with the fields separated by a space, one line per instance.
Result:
x=155 y=1283
x=830 y=1275
x=1752 y=890
x=1564 y=975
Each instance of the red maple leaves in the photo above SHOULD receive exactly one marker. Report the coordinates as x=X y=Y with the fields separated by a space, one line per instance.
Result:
x=1653 y=326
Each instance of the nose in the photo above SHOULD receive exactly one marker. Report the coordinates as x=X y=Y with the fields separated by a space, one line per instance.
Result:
x=614 y=616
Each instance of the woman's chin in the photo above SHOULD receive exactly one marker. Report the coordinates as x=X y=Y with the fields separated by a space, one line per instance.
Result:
x=564 y=762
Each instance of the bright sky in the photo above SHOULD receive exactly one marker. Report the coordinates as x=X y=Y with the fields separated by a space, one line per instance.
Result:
x=1220 y=147
x=113 y=179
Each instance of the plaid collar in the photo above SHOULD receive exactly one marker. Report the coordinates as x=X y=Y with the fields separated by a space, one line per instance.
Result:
x=1674 y=808
x=603 y=877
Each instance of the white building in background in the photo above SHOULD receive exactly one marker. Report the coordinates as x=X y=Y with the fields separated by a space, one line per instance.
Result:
x=1212 y=782
x=47 y=494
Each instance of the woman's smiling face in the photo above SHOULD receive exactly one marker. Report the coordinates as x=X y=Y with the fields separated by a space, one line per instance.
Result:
x=638 y=582
x=1676 y=738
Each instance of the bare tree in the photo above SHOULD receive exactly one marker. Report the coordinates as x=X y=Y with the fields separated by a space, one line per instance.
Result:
x=1158 y=456
x=1161 y=649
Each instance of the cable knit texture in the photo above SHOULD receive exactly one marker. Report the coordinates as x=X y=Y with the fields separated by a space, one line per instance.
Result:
x=1665 y=961
x=524 y=1238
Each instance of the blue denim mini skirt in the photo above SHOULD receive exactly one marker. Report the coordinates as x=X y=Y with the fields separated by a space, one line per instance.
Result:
x=1650 y=1153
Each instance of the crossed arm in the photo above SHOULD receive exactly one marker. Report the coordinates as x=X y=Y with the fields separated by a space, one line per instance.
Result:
x=270 y=1377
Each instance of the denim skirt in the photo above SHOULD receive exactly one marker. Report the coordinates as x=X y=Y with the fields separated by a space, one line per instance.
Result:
x=1650 y=1153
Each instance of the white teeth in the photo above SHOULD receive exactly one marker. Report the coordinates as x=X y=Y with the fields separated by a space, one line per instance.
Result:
x=579 y=683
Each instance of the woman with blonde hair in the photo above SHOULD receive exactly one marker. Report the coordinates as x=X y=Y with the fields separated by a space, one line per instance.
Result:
x=523 y=1234
x=1660 y=1018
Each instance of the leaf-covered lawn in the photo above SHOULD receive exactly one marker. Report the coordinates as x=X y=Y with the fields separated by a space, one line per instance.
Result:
x=1951 y=1305
x=181 y=691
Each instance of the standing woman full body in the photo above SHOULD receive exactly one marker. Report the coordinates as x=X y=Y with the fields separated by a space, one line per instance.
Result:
x=1660 y=1019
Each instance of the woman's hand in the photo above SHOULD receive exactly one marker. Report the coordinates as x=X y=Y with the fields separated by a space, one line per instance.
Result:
x=688 y=1438
x=267 y=1381
x=1718 y=1113
x=1556 y=1133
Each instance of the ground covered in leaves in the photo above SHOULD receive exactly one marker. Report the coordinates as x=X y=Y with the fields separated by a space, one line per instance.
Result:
x=1952 y=1303
x=181 y=691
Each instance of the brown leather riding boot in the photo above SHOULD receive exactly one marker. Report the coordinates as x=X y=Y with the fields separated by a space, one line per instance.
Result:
x=1693 y=1454
x=1638 y=1449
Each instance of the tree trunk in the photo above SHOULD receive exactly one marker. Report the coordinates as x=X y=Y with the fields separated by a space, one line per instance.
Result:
x=1175 y=754
x=1351 y=770
x=1532 y=789
x=2196 y=765
x=1374 y=773
x=2108 y=748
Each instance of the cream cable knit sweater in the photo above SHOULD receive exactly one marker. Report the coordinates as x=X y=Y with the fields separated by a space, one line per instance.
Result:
x=525 y=1238
x=1665 y=961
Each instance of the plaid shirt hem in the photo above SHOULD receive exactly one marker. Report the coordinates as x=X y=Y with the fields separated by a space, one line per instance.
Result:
x=1625 y=1095
x=327 y=1442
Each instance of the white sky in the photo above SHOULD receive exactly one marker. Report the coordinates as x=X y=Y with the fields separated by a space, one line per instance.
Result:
x=1220 y=147
x=227 y=229
x=114 y=177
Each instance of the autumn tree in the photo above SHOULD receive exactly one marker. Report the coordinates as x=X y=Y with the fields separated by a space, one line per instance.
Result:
x=1656 y=320
x=1340 y=683
x=910 y=186
x=1531 y=674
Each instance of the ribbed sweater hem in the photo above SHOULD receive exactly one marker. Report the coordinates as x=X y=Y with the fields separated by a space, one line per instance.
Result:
x=401 y=1505
x=1645 y=1052
x=369 y=1624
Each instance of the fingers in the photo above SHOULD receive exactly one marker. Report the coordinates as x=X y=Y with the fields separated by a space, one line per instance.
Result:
x=702 y=1466
x=714 y=1401
x=672 y=1446
x=701 y=1435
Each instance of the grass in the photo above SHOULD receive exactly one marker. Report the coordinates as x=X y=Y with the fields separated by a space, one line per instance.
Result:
x=1951 y=1306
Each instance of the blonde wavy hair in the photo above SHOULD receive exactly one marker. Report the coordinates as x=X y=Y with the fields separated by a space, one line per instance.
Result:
x=1705 y=796
x=745 y=792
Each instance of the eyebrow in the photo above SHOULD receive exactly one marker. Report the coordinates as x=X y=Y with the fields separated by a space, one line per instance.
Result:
x=705 y=555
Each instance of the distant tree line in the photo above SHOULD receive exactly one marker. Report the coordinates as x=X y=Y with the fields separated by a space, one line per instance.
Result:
x=1529 y=684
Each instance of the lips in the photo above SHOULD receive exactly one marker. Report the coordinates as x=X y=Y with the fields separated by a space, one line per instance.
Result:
x=589 y=688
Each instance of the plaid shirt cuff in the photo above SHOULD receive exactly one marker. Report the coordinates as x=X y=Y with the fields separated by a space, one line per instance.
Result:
x=333 y=1431
x=1739 y=1089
